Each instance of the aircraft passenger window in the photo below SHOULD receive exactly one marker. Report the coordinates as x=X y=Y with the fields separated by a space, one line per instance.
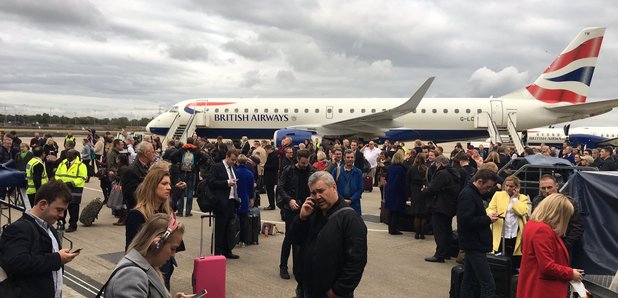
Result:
x=306 y=111
x=414 y=111
x=265 y=110
x=227 y=110
x=295 y=110
x=423 y=111
x=351 y=110
x=383 y=110
x=479 y=111
x=445 y=111
x=373 y=110
x=456 y=111
x=467 y=111
x=340 y=111
x=434 y=111
x=285 y=110
x=235 y=110
x=317 y=111
x=329 y=110
x=256 y=111
x=216 y=110
x=363 y=111
x=246 y=110
x=276 y=110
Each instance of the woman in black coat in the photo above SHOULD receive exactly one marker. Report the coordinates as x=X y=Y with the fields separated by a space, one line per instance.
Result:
x=270 y=176
x=416 y=179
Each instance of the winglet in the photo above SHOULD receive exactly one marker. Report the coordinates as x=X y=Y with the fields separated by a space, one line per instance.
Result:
x=414 y=100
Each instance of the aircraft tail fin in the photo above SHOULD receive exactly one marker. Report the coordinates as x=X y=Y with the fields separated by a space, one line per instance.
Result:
x=568 y=78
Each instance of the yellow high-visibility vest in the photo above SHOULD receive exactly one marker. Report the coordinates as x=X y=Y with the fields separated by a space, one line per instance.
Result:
x=29 y=177
x=77 y=173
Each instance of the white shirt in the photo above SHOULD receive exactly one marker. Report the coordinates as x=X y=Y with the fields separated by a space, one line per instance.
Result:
x=371 y=155
x=57 y=275
x=231 y=175
x=132 y=153
x=510 y=220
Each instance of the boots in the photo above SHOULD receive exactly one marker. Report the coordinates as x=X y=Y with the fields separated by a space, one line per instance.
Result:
x=122 y=216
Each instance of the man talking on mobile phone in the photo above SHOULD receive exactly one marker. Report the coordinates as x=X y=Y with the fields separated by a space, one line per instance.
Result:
x=333 y=240
x=30 y=252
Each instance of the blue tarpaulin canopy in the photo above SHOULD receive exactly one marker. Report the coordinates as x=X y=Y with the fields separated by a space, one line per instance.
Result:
x=596 y=193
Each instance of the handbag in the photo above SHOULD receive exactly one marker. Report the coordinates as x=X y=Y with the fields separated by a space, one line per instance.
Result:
x=114 y=200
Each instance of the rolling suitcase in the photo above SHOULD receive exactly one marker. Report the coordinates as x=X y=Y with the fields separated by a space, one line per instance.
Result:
x=367 y=183
x=254 y=226
x=457 y=273
x=209 y=272
x=501 y=267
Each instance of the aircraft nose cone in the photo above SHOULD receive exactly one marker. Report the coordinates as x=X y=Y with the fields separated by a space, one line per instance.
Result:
x=149 y=126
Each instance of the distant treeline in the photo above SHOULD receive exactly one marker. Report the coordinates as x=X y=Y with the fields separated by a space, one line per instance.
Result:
x=47 y=120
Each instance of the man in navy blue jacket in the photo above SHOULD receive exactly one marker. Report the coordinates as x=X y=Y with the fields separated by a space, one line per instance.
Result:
x=349 y=181
x=475 y=236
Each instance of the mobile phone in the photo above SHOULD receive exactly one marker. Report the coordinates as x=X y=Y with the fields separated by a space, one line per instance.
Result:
x=201 y=294
x=77 y=251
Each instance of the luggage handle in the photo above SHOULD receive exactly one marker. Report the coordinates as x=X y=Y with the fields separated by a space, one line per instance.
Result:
x=211 y=223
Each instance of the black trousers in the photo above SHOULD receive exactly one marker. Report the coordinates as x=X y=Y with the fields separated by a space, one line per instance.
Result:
x=270 y=192
x=393 y=221
x=442 y=233
x=287 y=245
x=223 y=215
x=73 y=213
x=244 y=228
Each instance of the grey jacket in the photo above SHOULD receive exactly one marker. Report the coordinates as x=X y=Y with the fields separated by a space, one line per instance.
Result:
x=139 y=279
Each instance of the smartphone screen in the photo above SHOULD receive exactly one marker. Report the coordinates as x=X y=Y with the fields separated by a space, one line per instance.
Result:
x=201 y=294
x=77 y=251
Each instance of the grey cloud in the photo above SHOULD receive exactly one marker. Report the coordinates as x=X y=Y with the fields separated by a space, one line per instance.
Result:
x=188 y=52
x=285 y=77
x=55 y=12
x=485 y=82
x=253 y=51
x=250 y=79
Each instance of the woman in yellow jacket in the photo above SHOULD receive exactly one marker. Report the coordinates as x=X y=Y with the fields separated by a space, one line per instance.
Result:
x=513 y=209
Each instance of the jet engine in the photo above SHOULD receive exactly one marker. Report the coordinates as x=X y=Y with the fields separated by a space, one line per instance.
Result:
x=298 y=136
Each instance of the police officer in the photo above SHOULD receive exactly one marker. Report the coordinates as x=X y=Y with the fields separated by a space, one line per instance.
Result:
x=74 y=173
x=36 y=173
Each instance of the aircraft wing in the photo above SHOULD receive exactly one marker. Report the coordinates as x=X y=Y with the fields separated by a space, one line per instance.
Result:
x=611 y=142
x=379 y=122
x=590 y=108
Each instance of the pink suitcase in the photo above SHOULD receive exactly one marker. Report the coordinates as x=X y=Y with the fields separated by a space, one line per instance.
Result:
x=209 y=271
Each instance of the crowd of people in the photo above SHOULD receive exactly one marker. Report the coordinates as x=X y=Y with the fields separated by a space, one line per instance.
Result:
x=159 y=185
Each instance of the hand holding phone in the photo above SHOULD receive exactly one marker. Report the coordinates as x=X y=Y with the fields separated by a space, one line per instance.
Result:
x=201 y=294
x=77 y=251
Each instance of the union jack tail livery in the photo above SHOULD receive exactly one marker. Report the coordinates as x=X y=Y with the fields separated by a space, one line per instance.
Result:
x=568 y=78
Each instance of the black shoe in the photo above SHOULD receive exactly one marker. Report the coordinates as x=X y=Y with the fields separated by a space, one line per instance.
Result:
x=189 y=214
x=447 y=258
x=231 y=256
x=434 y=259
x=269 y=208
x=283 y=272
x=396 y=233
x=422 y=236
x=178 y=214
x=71 y=229
x=417 y=236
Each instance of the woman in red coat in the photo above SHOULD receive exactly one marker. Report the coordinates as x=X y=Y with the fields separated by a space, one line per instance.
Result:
x=544 y=268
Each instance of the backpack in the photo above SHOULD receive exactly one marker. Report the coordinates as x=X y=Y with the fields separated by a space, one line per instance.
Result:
x=91 y=212
x=187 y=161
x=205 y=198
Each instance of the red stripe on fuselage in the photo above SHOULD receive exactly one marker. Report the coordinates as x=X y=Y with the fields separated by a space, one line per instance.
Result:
x=588 y=49
x=209 y=103
x=555 y=95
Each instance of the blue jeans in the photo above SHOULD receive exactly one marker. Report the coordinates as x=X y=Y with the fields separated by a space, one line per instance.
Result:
x=476 y=271
x=189 y=179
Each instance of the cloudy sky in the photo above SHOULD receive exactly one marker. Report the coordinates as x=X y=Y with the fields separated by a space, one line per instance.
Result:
x=111 y=58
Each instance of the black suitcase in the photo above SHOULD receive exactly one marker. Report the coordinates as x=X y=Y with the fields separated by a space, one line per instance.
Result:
x=254 y=225
x=457 y=273
x=501 y=267
x=514 y=281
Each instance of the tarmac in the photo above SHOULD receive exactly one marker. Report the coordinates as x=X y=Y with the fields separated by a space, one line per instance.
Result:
x=395 y=266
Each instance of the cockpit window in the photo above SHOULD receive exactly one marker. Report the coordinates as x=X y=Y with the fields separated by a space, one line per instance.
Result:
x=174 y=109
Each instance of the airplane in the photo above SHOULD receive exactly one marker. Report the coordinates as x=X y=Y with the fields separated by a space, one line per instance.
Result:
x=589 y=137
x=557 y=95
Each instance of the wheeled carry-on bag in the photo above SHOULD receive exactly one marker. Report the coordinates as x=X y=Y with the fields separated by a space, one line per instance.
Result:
x=254 y=226
x=367 y=183
x=501 y=267
x=209 y=271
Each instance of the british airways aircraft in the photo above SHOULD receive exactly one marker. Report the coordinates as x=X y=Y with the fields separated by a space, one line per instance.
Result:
x=590 y=137
x=558 y=95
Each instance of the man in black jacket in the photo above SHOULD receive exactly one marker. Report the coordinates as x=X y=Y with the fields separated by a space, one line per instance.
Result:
x=444 y=187
x=475 y=234
x=271 y=169
x=575 y=230
x=136 y=172
x=333 y=241
x=30 y=252
x=222 y=183
x=291 y=193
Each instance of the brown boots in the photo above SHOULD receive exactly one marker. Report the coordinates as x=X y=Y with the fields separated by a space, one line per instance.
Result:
x=122 y=216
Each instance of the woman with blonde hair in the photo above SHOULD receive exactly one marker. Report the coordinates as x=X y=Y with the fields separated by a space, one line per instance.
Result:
x=152 y=196
x=545 y=270
x=512 y=208
x=137 y=274
x=494 y=157
x=321 y=164
x=395 y=193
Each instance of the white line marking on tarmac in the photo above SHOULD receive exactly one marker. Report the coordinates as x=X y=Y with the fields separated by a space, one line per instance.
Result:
x=79 y=284
x=94 y=189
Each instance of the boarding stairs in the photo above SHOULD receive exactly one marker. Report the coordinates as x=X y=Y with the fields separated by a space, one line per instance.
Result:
x=504 y=134
x=183 y=127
